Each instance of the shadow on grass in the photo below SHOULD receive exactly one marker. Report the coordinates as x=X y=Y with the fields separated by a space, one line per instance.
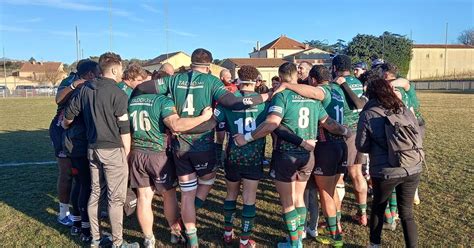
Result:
x=25 y=146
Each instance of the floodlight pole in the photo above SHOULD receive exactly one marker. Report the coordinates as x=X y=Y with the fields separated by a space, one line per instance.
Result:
x=4 y=67
x=77 y=46
x=446 y=50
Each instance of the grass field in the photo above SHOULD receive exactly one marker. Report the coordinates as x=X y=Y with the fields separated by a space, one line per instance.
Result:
x=28 y=203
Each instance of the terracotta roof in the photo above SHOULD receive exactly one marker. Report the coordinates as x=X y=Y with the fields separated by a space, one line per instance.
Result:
x=441 y=46
x=161 y=58
x=257 y=62
x=284 y=42
x=40 y=67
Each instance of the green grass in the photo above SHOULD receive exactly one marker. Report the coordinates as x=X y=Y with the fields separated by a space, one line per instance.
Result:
x=28 y=202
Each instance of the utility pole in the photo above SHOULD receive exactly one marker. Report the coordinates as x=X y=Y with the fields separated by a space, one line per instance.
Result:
x=4 y=67
x=446 y=50
x=79 y=50
x=110 y=25
x=77 y=46
x=166 y=26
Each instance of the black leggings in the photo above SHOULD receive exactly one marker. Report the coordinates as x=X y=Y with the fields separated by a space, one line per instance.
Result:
x=405 y=188
x=82 y=187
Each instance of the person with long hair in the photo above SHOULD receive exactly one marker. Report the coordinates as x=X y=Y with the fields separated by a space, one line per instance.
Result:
x=372 y=139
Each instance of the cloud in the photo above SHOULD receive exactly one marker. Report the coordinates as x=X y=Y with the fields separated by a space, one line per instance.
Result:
x=31 y=20
x=104 y=33
x=73 y=5
x=10 y=28
x=150 y=8
x=181 y=33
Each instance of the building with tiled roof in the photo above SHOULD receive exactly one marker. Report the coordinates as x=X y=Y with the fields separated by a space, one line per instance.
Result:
x=49 y=72
x=177 y=60
x=267 y=67
x=441 y=60
x=278 y=48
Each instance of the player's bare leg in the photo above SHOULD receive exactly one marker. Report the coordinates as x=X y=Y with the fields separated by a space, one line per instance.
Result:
x=360 y=188
x=204 y=187
x=188 y=184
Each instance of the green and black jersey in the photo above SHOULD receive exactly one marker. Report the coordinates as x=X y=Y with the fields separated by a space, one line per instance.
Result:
x=299 y=114
x=147 y=113
x=242 y=122
x=192 y=92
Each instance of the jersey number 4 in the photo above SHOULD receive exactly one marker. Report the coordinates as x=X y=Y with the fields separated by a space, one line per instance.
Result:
x=141 y=120
x=188 y=105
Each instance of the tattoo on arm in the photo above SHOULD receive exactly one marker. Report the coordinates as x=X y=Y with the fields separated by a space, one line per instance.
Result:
x=333 y=127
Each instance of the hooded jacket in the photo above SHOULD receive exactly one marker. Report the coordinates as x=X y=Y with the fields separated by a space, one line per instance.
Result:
x=371 y=133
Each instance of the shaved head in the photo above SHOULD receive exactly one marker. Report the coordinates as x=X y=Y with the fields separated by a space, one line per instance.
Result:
x=168 y=68
x=225 y=76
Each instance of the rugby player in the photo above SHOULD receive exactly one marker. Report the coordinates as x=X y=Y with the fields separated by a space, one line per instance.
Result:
x=150 y=168
x=292 y=165
x=341 y=66
x=359 y=68
x=75 y=143
x=303 y=72
x=243 y=165
x=194 y=154
x=132 y=76
x=65 y=89
x=226 y=79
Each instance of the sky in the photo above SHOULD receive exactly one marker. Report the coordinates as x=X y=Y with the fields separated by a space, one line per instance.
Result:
x=144 y=29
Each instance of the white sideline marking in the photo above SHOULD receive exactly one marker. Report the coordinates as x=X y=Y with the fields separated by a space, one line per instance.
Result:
x=28 y=163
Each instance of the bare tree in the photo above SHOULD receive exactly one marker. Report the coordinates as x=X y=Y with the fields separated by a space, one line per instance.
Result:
x=467 y=37
x=53 y=76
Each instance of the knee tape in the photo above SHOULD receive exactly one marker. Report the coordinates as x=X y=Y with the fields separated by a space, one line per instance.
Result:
x=207 y=182
x=188 y=186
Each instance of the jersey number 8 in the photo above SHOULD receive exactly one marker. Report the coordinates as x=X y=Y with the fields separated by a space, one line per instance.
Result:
x=303 y=120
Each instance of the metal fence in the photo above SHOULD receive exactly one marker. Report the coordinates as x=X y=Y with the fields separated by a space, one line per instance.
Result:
x=26 y=93
x=445 y=85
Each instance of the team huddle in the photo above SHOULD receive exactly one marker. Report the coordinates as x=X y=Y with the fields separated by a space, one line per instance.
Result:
x=149 y=133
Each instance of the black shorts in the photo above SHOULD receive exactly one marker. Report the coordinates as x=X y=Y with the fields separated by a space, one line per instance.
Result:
x=330 y=158
x=290 y=167
x=202 y=163
x=235 y=172
x=148 y=168
x=353 y=156
x=56 y=133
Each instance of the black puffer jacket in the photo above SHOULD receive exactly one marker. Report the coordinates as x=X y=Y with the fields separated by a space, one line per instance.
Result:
x=371 y=133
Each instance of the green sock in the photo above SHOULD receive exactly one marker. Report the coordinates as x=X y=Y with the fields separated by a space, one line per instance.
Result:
x=198 y=202
x=229 y=214
x=292 y=221
x=248 y=215
x=302 y=213
x=393 y=203
x=363 y=208
x=332 y=225
x=192 y=237
x=388 y=215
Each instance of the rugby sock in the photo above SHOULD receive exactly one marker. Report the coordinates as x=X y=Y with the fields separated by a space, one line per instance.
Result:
x=332 y=225
x=302 y=211
x=388 y=215
x=86 y=228
x=198 y=202
x=229 y=215
x=393 y=203
x=63 y=210
x=248 y=215
x=76 y=220
x=341 y=191
x=292 y=221
x=192 y=237
x=362 y=208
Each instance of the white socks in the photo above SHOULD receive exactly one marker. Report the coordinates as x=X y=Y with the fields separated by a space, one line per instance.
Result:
x=63 y=210
x=341 y=191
